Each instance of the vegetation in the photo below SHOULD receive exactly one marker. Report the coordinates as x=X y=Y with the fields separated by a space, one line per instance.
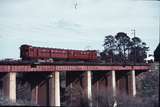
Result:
x=4 y=101
x=104 y=98
x=148 y=86
x=122 y=49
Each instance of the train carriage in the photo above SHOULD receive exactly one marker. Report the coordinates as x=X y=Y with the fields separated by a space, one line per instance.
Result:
x=28 y=52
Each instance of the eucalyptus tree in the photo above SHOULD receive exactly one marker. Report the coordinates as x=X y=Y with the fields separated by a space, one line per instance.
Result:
x=138 y=50
x=121 y=49
x=123 y=43
x=109 y=43
x=109 y=48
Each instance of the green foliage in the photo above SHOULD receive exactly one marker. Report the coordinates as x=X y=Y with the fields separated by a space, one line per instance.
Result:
x=122 y=49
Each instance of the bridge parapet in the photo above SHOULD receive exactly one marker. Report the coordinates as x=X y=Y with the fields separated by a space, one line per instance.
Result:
x=53 y=68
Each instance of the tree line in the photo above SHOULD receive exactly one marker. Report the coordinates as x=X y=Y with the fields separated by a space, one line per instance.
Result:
x=123 y=49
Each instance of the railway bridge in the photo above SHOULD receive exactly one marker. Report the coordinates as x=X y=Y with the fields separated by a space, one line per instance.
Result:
x=47 y=84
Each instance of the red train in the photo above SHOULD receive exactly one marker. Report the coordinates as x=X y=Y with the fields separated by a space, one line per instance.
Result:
x=28 y=52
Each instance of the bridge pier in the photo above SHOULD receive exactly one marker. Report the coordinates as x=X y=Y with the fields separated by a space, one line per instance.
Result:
x=9 y=86
x=87 y=86
x=55 y=89
x=132 y=83
x=112 y=82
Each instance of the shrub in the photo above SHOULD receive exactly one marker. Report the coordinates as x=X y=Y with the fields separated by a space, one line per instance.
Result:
x=4 y=101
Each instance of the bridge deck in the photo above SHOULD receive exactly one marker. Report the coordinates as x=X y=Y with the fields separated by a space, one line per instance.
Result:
x=51 y=67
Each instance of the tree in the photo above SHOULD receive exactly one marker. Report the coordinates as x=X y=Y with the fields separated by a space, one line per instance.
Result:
x=138 y=50
x=109 y=43
x=123 y=42
x=109 y=48
x=122 y=49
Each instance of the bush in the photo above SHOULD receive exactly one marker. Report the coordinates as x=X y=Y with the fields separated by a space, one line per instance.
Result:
x=4 y=101
x=104 y=98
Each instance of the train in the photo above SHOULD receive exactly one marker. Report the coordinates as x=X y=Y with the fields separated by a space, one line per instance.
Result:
x=29 y=52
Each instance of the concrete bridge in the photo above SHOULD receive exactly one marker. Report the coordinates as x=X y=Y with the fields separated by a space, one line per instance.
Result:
x=45 y=79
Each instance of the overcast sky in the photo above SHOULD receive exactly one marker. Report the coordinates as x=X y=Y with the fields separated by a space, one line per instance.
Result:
x=56 y=23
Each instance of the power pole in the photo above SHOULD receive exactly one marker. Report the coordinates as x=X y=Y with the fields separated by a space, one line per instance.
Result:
x=134 y=32
x=75 y=5
x=159 y=29
x=134 y=35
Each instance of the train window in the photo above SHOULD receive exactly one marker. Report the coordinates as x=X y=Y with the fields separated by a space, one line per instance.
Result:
x=31 y=49
x=26 y=49
x=43 y=50
x=75 y=54
x=72 y=53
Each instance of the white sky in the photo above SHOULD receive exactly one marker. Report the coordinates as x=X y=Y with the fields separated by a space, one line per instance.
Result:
x=56 y=23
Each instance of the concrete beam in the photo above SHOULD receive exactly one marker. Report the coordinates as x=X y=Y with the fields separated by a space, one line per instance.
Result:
x=9 y=89
x=55 y=89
